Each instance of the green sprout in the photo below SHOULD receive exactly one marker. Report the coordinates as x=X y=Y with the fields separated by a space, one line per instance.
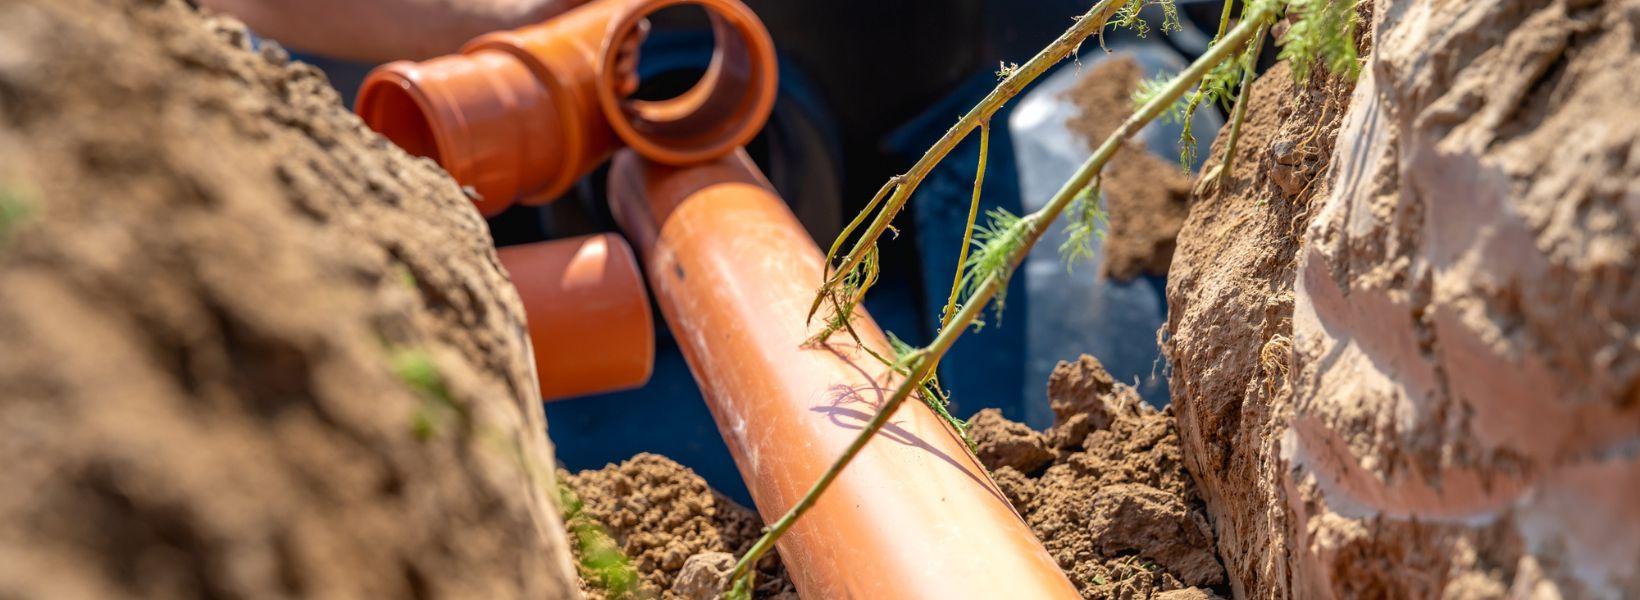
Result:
x=601 y=562
x=1129 y=16
x=1324 y=33
x=16 y=208
x=994 y=245
x=417 y=370
x=1087 y=223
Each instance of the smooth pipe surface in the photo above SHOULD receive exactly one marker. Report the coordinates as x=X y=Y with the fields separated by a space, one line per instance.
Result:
x=520 y=115
x=915 y=515
x=587 y=311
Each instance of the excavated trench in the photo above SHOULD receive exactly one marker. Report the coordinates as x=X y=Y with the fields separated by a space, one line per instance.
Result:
x=249 y=347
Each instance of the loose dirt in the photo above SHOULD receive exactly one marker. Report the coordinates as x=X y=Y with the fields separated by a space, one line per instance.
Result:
x=662 y=514
x=1105 y=489
x=247 y=347
x=1146 y=198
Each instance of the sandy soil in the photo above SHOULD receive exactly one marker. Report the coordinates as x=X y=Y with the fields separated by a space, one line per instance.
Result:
x=247 y=348
x=662 y=514
x=1104 y=488
x=1146 y=198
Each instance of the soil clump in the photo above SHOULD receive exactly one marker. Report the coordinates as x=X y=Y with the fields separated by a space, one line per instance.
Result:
x=1383 y=328
x=1104 y=488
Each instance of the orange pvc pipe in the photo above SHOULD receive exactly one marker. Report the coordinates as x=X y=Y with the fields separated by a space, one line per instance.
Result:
x=915 y=515
x=588 y=314
x=520 y=115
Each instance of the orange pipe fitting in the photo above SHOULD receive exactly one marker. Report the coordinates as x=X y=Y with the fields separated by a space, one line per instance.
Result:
x=520 y=115
x=588 y=314
x=915 y=515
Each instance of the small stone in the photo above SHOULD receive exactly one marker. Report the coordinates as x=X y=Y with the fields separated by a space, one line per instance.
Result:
x=1189 y=593
x=705 y=576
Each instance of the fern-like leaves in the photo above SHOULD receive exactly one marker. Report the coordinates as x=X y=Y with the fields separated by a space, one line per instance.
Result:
x=1324 y=34
x=1087 y=223
x=1129 y=16
x=994 y=246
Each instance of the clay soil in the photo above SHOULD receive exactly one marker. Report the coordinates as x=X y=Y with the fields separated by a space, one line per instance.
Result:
x=1402 y=334
x=1146 y=197
x=1105 y=489
x=662 y=514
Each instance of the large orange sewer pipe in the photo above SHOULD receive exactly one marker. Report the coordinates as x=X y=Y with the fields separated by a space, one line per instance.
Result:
x=915 y=515
x=520 y=115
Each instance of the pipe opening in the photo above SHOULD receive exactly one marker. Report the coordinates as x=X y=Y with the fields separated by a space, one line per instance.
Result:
x=665 y=72
x=723 y=109
x=393 y=111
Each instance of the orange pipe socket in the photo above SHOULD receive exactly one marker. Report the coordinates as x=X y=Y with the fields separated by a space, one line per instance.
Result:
x=915 y=515
x=588 y=314
x=520 y=115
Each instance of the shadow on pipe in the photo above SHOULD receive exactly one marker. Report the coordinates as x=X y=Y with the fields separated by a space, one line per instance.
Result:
x=733 y=272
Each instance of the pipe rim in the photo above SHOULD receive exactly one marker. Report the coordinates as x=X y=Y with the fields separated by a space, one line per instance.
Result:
x=736 y=123
x=438 y=115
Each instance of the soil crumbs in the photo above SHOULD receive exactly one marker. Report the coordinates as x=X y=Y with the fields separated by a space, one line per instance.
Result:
x=662 y=515
x=1105 y=489
x=1146 y=198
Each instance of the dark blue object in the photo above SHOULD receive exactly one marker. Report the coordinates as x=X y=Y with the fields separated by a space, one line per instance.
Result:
x=986 y=368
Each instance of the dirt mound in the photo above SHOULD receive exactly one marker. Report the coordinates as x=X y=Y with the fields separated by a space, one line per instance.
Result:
x=1230 y=306
x=1401 y=373
x=1104 y=488
x=251 y=348
x=661 y=514
x=1466 y=358
x=1146 y=198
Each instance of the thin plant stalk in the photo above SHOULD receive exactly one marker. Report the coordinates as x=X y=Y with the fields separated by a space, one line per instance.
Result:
x=1086 y=26
x=968 y=232
x=920 y=366
x=1035 y=224
x=1224 y=20
x=1240 y=113
x=842 y=236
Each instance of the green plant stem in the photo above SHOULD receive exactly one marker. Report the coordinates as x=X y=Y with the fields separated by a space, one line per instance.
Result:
x=968 y=232
x=1036 y=225
x=1087 y=25
x=837 y=244
x=1157 y=105
x=1224 y=20
x=920 y=368
x=1240 y=113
